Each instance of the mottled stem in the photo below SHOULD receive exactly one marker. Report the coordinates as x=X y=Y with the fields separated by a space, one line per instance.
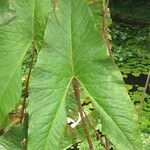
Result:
x=105 y=32
x=77 y=95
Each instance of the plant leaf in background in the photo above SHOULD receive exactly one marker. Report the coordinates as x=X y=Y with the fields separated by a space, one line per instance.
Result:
x=15 y=39
x=15 y=139
x=73 y=48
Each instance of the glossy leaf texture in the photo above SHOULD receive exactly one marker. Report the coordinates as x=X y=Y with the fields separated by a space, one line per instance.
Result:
x=73 y=48
x=15 y=39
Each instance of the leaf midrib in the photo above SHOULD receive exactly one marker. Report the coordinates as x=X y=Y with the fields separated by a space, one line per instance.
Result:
x=71 y=39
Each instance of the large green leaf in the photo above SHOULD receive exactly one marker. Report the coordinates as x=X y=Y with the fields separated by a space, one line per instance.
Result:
x=73 y=48
x=15 y=39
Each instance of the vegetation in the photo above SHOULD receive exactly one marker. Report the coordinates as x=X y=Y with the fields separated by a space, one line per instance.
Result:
x=131 y=53
x=59 y=86
x=130 y=11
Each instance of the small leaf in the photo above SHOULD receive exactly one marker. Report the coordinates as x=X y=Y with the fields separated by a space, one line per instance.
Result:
x=129 y=87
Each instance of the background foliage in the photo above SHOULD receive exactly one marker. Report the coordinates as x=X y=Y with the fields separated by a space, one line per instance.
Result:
x=105 y=116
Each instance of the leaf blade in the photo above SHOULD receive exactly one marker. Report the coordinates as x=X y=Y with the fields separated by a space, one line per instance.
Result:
x=15 y=39
x=73 y=48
